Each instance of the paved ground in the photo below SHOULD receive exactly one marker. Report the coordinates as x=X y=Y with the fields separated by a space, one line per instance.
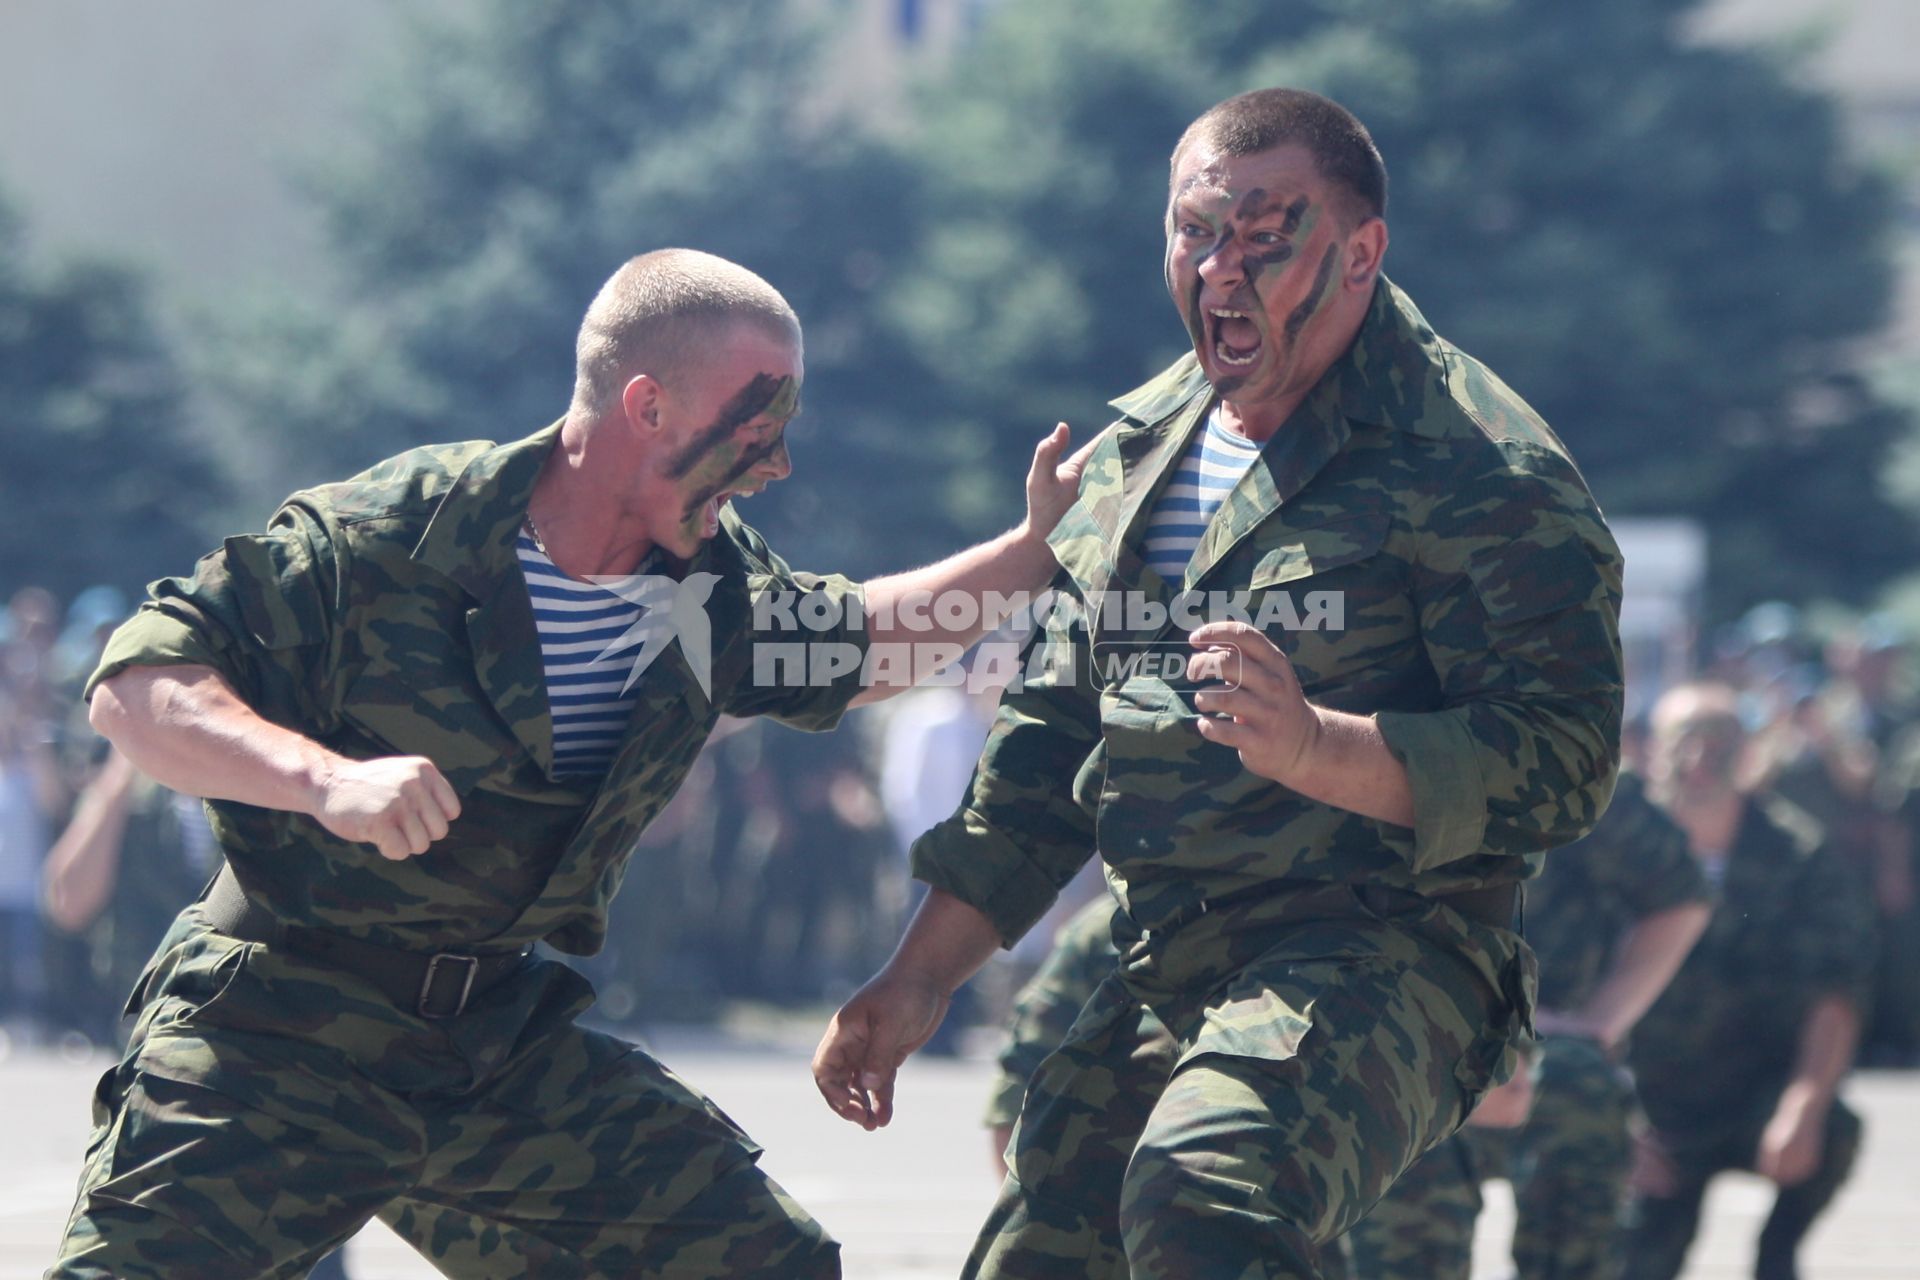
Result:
x=906 y=1200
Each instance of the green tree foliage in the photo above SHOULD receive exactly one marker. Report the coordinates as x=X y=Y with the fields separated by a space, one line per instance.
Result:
x=100 y=479
x=1665 y=247
x=511 y=162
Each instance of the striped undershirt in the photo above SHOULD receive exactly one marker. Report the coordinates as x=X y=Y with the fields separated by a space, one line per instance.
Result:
x=576 y=622
x=1215 y=461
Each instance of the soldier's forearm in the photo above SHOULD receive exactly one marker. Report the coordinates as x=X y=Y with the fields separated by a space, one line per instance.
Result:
x=1650 y=953
x=1828 y=1038
x=945 y=607
x=946 y=942
x=1350 y=766
x=186 y=728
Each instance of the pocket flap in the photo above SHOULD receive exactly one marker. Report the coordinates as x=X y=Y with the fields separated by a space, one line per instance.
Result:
x=1307 y=552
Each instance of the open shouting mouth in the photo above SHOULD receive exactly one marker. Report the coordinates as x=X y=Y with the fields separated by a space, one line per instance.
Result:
x=709 y=509
x=1234 y=338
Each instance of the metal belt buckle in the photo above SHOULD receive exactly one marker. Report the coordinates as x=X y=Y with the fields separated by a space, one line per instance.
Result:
x=466 y=987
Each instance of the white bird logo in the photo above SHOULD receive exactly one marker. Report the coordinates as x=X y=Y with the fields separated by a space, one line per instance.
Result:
x=673 y=608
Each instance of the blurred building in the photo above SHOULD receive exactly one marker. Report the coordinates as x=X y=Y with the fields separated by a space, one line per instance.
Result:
x=174 y=135
x=1868 y=53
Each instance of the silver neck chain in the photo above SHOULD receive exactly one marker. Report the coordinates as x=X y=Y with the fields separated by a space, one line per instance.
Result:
x=534 y=529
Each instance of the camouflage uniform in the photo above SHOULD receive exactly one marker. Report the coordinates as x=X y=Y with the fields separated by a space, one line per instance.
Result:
x=270 y=1102
x=1569 y=1162
x=1713 y=1055
x=1044 y=1010
x=1331 y=1015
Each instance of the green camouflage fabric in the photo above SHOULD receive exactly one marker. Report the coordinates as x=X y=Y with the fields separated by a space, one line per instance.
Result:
x=1791 y=926
x=1424 y=1225
x=1569 y=1163
x=388 y=615
x=269 y=1106
x=1232 y=1098
x=1568 y=1166
x=1634 y=864
x=1481 y=591
x=1712 y=1056
x=1330 y=1023
x=1043 y=1011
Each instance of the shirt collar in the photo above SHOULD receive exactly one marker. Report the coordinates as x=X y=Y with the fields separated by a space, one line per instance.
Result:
x=472 y=533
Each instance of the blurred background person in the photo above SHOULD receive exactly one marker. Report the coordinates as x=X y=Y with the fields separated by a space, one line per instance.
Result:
x=32 y=798
x=1610 y=918
x=1739 y=1063
x=131 y=854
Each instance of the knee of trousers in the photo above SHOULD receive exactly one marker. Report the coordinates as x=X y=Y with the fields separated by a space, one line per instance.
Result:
x=1174 y=1190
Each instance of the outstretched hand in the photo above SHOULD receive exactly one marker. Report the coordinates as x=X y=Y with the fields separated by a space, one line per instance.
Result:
x=874 y=1032
x=1053 y=484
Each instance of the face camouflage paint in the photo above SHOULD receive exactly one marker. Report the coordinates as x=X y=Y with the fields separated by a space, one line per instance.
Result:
x=1317 y=299
x=765 y=393
x=717 y=457
x=1253 y=252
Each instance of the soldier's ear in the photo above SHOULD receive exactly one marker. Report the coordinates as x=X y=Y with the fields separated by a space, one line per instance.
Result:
x=640 y=402
x=1366 y=246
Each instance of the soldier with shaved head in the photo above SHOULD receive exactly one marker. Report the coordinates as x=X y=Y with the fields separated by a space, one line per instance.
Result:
x=1316 y=831
x=431 y=708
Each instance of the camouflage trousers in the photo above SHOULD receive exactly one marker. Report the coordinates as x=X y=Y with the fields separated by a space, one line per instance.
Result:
x=267 y=1107
x=1568 y=1166
x=1660 y=1228
x=1239 y=1092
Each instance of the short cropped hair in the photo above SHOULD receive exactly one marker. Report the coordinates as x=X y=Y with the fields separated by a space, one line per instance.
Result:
x=1259 y=121
x=660 y=313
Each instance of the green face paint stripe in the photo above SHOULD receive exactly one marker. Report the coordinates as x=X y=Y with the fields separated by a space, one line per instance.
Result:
x=764 y=393
x=1314 y=300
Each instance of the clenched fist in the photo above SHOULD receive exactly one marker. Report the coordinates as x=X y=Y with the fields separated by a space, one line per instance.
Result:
x=398 y=804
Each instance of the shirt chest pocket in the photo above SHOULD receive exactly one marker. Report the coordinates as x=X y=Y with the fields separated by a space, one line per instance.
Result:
x=1331 y=596
x=443 y=715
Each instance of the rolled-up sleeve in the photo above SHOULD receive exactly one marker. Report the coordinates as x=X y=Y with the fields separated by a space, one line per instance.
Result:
x=260 y=610
x=1518 y=592
x=1023 y=830
x=808 y=673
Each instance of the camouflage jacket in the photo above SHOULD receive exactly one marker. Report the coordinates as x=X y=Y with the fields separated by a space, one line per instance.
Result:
x=1043 y=1012
x=1450 y=574
x=1633 y=864
x=388 y=615
x=1791 y=926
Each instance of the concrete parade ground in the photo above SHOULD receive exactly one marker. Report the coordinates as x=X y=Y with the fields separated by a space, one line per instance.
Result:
x=906 y=1201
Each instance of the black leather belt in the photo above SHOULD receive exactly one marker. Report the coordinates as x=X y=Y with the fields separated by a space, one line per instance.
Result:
x=432 y=986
